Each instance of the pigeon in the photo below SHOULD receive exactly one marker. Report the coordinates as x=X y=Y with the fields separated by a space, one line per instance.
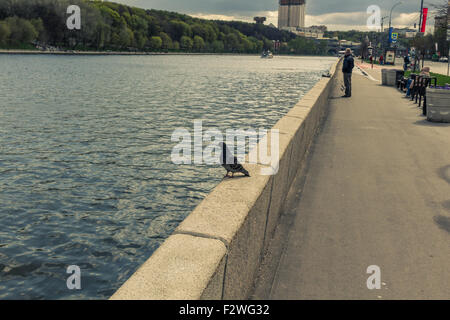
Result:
x=230 y=162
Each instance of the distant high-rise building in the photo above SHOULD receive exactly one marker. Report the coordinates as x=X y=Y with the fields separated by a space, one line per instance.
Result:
x=440 y=23
x=291 y=14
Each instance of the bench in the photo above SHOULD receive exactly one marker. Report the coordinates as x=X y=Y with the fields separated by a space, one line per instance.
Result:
x=421 y=85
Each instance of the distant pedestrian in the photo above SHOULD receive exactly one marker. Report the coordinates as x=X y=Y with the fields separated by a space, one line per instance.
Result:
x=347 y=69
x=406 y=61
x=381 y=60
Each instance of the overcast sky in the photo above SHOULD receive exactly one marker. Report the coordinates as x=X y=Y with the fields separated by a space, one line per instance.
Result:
x=336 y=14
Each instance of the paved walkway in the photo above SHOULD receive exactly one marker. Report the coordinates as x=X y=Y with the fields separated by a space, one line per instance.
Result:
x=377 y=192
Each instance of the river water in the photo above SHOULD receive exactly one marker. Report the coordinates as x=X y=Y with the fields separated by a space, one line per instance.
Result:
x=86 y=176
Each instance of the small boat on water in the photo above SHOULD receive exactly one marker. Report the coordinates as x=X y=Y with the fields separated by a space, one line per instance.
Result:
x=267 y=55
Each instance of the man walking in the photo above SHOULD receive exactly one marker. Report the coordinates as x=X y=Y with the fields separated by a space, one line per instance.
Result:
x=347 y=69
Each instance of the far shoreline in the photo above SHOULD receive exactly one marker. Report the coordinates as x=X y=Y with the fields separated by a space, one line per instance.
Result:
x=138 y=53
x=104 y=53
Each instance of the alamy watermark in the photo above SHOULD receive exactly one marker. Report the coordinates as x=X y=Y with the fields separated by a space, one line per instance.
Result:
x=374 y=20
x=74 y=281
x=74 y=20
x=374 y=281
x=190 y=147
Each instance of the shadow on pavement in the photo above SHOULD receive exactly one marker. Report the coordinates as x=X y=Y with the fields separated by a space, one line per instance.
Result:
x=443 y=223
x=427 y=123
x=444 y=173
x=446 y=205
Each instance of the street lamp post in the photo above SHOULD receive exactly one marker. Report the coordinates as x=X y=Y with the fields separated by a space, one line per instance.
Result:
x=418 y=33
x=382 y=36
x=390 y=16
x=382 y=23
x=421 y=15
x=390 y=27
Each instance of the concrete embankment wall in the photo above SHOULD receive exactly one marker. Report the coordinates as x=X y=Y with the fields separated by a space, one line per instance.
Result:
x=216 y=252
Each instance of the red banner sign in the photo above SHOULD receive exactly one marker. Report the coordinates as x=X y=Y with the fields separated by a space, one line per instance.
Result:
x=424 y=20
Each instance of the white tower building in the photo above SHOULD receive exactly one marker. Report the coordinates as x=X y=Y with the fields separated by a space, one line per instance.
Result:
x=291 y=14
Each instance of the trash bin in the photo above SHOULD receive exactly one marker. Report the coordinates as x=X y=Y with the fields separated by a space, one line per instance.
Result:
x=384 y=77
x=438 y=109
x=391 y=77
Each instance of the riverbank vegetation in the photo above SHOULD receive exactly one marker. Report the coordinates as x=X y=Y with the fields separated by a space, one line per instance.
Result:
x=116 y=27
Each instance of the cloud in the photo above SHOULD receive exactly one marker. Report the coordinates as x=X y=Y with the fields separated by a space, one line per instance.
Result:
x=336 y=14
x=320 y=7
x=358 y=20
x=247 y=7
x=272 y=17
x=334 y=21
x=226 y=7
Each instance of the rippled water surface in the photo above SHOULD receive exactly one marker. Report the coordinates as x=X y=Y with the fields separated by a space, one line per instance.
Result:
x=85 y=171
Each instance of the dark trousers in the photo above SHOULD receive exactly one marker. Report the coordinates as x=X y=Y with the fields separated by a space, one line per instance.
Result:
x=348 y=84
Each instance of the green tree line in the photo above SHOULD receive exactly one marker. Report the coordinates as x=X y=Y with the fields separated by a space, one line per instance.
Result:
x=113 y=26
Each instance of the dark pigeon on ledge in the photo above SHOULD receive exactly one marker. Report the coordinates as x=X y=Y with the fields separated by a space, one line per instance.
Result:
x=230 y=162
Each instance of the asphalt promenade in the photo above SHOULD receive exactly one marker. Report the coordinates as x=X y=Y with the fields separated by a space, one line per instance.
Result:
x=376 y=192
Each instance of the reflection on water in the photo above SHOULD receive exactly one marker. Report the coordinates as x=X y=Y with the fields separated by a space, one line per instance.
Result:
x=85 y=143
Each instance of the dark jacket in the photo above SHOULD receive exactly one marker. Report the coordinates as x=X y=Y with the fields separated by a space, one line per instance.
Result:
x=349 y=64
